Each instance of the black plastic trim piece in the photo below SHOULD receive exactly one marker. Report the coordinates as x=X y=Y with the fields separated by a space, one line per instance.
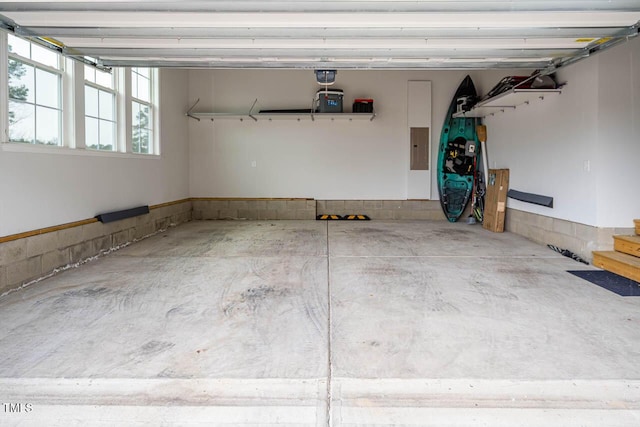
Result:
x=123 y=214
x=536 y=199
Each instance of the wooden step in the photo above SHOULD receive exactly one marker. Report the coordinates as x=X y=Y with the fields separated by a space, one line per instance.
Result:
x=627 y=244
x=619 y=263
x=637 y=222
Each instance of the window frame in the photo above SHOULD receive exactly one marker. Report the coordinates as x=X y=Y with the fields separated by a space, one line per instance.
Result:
x=71 y=107
x=152 y=105
x=60 y=74
x=115 y=123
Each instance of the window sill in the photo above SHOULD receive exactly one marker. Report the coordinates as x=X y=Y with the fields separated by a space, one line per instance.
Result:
x=14 y=147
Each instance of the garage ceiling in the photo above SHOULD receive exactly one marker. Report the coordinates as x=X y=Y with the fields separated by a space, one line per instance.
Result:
x=346 y=34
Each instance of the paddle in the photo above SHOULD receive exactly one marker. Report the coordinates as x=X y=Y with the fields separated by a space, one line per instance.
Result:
x=481 y=131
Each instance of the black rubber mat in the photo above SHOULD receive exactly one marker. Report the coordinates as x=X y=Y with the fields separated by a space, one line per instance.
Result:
x=610 y=281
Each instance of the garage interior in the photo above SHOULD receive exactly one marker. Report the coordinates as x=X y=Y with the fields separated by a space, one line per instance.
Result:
x=225 y=302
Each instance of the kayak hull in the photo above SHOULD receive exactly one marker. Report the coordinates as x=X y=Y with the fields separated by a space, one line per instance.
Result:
x=457 y=153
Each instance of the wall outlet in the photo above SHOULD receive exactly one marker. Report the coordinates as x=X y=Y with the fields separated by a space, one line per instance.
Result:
x=254 y=164
x=587 y=165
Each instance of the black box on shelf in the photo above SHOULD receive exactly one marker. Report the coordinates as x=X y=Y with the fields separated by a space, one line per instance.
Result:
x=363 y=105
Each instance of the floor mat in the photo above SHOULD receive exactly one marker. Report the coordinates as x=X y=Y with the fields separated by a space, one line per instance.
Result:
x=610 y=281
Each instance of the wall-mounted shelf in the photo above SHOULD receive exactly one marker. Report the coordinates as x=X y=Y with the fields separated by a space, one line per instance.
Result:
x=311 y=115
x=507 y=101
x=283 y=116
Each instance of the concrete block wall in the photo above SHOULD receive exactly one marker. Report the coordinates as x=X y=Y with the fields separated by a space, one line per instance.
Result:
x=272 y=209
x=23 y=259
x=254 y=209
x=578 y=238
x=384 y=209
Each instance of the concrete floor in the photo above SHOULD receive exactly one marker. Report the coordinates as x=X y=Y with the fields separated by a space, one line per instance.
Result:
x=304 y=323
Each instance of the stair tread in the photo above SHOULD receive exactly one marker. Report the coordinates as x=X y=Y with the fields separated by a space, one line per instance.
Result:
x=619 y=263
x=620 y=257
x=629 y=238
x=627 y=245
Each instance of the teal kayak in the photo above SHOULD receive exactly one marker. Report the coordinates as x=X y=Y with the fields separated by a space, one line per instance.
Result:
x=457 y=153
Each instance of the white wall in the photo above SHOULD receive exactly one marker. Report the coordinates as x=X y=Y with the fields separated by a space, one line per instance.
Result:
x=39 y=189
x=581 y=147
x=545 y=145
x=618 y=150
x=321 y=159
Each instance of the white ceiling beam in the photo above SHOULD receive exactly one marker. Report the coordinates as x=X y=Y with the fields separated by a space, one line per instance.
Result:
x=320 y=5
x=338 y=44
x=318 y=52
x=320 y=64
x=328 y=20
x=288 y=32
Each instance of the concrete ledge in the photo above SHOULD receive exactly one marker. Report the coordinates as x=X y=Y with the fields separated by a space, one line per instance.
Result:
x=32 y=255
x=578 y=238
x=303 y=402
x=489 y=393
x=301 y=209
x=174 y=401
x=498 y=403
x=259 y=209
x=384 y=209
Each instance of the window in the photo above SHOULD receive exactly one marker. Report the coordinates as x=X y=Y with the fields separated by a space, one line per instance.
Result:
x=34 y=89
x=142 y=110
x=42 y=102
x=99 y=109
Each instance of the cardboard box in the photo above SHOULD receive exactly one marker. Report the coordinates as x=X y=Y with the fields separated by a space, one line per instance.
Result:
x=495 y=200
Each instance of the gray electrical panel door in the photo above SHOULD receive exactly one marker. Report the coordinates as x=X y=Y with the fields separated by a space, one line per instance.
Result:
x=419 y=149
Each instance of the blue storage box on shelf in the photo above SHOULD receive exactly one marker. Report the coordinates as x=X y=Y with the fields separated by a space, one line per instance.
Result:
x=329 y=101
